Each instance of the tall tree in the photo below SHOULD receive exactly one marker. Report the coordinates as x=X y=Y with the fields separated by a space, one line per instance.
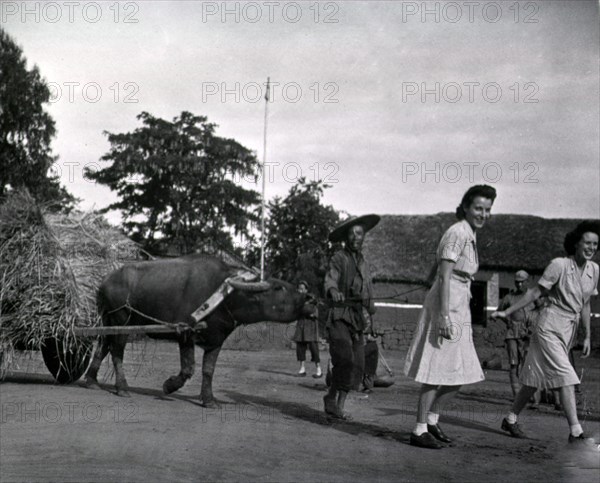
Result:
x=26 y=129
x=297 y=231
x=176 y=183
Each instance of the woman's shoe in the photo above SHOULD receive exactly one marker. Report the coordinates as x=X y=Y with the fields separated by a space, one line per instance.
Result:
x=437 y=433
x=425 y=440
x=514 y=429
x=582 y=439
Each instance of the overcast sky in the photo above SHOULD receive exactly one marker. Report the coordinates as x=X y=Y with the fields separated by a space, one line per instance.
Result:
x=399 y=105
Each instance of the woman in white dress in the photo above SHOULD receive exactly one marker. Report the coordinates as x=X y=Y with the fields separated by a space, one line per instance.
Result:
x=442 y=356
x=569 y=282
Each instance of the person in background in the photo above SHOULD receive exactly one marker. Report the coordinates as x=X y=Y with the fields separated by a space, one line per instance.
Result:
x=569 y=283
x=306 y=336
x=516 y=328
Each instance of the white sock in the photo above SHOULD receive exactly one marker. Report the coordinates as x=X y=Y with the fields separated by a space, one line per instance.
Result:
x=420 y=428
x=576 y=430
x=432 y=418
x=511 y=418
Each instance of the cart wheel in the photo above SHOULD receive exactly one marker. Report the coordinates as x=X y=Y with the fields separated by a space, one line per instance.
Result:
x=66 y=364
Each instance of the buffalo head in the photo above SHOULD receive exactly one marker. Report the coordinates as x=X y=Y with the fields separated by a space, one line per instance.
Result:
x=271 y=300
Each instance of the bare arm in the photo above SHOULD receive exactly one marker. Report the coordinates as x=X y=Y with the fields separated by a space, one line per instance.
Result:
x=585 y=319
x=445 y=272
x=531 y=296
x=431 y=277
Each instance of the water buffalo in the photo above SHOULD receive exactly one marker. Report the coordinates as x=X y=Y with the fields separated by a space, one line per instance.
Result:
x=170 y=290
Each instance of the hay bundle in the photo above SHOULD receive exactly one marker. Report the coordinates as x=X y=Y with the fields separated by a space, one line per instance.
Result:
x=50 y=268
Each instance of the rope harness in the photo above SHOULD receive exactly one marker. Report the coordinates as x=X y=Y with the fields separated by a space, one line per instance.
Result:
x=207 y=307
x=218 y=298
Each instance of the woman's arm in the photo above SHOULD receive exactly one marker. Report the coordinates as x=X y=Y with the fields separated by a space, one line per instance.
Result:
x=445 y=273
x=431 y=277
x=531 y=296
x=585 y=319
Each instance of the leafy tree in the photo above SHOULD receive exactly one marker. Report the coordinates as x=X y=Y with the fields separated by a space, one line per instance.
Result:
x=26 y=130
x=297 y=230
x=176 y=184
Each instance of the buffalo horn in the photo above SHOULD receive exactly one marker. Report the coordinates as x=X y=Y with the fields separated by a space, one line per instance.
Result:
x=250 y=286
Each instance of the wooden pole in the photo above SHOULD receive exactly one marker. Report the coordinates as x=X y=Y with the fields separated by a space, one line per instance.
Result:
x=127 y=329
x=264 y=175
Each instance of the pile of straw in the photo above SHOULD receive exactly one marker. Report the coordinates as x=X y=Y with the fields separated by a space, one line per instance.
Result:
x=51 y=266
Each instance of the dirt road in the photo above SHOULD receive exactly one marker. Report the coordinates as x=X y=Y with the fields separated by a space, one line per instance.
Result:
x=271 y=427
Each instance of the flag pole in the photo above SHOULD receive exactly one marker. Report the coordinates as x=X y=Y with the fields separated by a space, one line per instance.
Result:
x=262 y=211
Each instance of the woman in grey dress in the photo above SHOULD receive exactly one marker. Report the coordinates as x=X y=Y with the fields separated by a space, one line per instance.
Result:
x=569 y=282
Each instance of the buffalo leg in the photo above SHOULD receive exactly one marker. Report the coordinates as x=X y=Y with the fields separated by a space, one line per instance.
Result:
x=117 y=349
x=188 y=361
x=209 y=360
x=102 y=350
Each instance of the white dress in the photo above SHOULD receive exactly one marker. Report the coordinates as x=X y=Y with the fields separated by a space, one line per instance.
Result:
x=431 y=359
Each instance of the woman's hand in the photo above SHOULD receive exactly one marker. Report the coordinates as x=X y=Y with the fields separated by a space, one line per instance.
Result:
x=586 y=348
x=499 y=314
x=446 y=328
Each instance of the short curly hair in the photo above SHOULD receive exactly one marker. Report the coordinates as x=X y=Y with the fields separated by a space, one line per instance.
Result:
x=473 y=192
x=573 y=237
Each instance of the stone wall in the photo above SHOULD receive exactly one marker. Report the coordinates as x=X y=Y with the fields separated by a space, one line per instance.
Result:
x=396 y=324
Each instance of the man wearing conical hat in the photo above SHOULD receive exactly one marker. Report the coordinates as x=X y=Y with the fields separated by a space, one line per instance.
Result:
x=349 y=288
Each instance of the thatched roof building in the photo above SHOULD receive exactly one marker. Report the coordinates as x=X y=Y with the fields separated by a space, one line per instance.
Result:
x=401 y=250
x=402 y=247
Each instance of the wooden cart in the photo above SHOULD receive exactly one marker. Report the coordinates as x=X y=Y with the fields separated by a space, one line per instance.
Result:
x=67 y=361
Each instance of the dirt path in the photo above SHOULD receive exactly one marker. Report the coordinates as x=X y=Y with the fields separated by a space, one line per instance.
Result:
x=270 y=427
